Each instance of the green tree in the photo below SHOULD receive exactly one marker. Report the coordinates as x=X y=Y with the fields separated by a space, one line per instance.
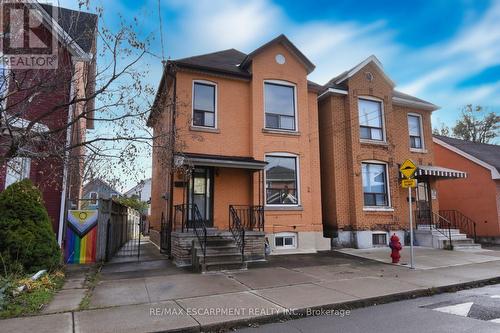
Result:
x=133 y=202
x=476 y=125
x=443 y=130
x=26 y=237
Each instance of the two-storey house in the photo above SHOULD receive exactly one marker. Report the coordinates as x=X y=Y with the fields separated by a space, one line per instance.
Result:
x=42 y=97
x=245 y=157
x=367 y=129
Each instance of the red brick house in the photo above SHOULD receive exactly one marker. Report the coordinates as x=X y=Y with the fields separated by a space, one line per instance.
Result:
x=59 y=182
x=477 y=197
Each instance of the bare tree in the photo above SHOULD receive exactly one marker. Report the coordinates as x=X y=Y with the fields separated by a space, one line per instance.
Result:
x=477 y=125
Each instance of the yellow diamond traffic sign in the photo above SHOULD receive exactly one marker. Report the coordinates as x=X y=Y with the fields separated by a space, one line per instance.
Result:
x=405 y=183
x=408 y=168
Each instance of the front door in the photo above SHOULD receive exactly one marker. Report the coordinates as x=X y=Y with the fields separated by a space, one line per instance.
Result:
x=201 y=193
x=424 y=208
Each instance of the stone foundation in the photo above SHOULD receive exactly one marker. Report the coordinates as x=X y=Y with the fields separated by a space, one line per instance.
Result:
x=363 y=239
x=182 y=243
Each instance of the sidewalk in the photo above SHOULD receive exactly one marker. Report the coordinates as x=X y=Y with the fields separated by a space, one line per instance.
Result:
x=169 y=299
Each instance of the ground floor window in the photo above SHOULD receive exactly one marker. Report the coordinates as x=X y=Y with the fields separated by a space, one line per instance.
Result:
x=285 y=240
x=281 y=180
x=379 y=239
x=375 y=188
x=18 y=168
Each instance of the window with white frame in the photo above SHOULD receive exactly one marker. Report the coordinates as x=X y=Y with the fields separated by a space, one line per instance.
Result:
x=204 y=104
x=279 y=106
x=371 y=119
x=93 y=196
x=415 y=131
x=375 y=187
x=285 y=240
x=282 y=180
x=18 y=168
x=379 y=238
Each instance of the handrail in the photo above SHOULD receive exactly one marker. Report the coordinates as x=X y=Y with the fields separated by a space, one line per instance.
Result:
x=237 y=230
x=435 y=222
x=460 y=221
x=191 y=218
x=251 y=217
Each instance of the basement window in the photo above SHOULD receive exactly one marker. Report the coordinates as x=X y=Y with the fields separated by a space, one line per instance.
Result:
x=379 y=239
x=285 y=240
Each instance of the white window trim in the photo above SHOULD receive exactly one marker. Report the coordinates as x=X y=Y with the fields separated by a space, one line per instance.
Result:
x=380 y=233
x=297 y=171
x=382 y=111
x=293 y=235
x=23 y=160
x=296 y=108
x=421 y=132
x=387 y=208
x=211 y=83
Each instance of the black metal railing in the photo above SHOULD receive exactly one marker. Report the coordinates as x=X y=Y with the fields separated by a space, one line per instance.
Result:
x=435 y=222
x=237 y=230
x=460 y=221
x=251 y=217
x=189 y=217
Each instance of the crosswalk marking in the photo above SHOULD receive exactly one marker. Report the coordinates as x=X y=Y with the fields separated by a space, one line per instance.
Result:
x=458 y=309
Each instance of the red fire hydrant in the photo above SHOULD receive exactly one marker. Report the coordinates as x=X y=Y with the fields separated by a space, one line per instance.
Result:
x=395 y=246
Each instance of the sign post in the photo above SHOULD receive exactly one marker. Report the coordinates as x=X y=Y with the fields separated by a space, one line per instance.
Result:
x=408 y=169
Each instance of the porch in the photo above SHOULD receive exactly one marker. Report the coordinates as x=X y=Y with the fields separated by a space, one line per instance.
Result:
x=217 y=219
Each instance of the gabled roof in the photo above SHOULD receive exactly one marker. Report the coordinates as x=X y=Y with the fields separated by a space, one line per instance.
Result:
x=97 y=181
x=226 y=61
x=339 y=85
x=283 y=40
x=349 y=73
x=486 y=155
x=80 y=26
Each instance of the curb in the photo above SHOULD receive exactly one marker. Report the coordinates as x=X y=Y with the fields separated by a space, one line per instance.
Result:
x=351 y=305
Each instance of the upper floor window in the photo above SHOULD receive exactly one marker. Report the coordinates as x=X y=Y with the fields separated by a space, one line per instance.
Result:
x=18 y=168
x=281 y=180
x=204 y=105
x=375 y=187
x=371 y=120
x=415 y=131
x=280 y=106
x=93 y=196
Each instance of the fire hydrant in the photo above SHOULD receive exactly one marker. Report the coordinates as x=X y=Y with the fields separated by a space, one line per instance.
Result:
x=395 y=246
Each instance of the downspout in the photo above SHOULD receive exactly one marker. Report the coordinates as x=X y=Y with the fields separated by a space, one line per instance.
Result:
x=172 y=164
x=62 y=211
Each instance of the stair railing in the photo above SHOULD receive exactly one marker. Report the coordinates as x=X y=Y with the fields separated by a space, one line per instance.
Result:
x=251 y=217
x=190 y=217
x=237 y=230
x=435 y=222
x=460 y=221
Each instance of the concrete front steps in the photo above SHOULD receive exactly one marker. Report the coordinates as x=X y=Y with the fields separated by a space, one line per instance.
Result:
x=425 y=236
x=222 y=254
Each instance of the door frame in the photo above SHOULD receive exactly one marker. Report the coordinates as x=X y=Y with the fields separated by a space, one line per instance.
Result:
x=428 y=194
x=209 y=174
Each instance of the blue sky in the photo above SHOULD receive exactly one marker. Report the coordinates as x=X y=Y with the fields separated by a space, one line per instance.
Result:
x=447 y=52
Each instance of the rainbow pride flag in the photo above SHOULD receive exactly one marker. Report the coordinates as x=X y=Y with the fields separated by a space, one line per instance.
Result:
x=81 y=237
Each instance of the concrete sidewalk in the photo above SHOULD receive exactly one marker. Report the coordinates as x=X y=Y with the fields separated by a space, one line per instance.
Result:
x=169 y=299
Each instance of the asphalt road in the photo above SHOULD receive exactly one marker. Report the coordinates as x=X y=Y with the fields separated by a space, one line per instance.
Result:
x=474 y=310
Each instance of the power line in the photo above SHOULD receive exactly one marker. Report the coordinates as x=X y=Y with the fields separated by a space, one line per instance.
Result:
x=161 y=33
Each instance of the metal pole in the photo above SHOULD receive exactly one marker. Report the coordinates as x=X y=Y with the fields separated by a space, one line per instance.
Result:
x=412 y=262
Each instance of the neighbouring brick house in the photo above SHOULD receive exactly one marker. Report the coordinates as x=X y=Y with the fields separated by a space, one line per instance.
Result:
x=477 y=197
x=76 y=40
x=248 y=127
x=367 y=129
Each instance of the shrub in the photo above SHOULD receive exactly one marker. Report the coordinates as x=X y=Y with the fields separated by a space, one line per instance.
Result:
x=26 y=236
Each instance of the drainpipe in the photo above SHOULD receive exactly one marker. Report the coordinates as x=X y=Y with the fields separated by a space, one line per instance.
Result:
x=62 y=211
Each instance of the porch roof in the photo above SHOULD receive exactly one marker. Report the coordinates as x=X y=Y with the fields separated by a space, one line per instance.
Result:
x=441 y=172
x=223 y=161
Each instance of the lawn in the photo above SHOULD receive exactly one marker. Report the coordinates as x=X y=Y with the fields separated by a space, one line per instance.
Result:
x=31 y=301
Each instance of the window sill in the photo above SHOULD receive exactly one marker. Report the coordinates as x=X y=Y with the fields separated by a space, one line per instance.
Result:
x=204 y=129
x=421 y=151
x=281 y=208
x=280 y=132
x=378 y=209
x=374 y=142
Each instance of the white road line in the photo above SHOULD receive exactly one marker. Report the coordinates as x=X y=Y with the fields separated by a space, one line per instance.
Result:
x=458 y=309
